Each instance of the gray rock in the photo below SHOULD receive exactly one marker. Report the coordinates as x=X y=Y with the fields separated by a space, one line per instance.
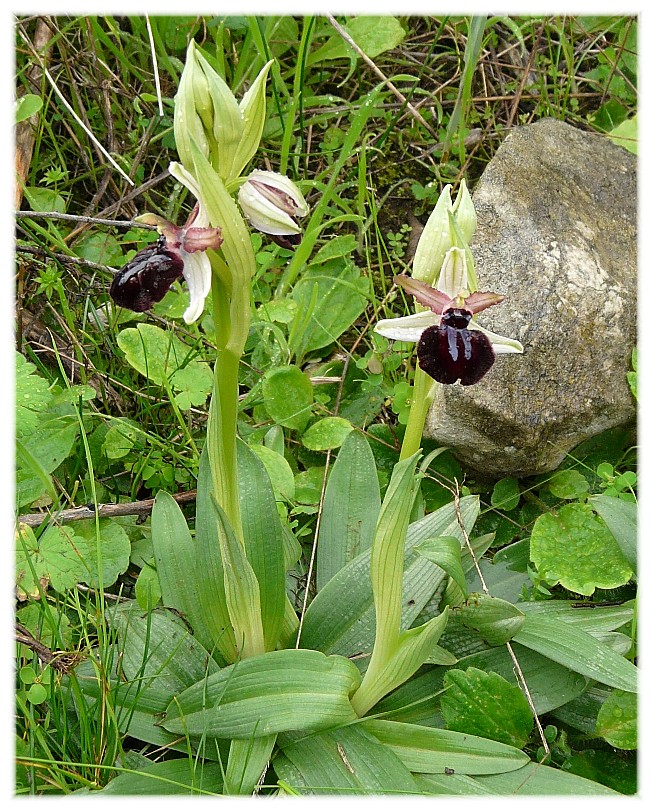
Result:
x=556 y=234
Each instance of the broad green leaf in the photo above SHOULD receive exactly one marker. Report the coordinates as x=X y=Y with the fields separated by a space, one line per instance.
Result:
x=373 y=35
x=496 y=620
x=160 y=356
x=27 y=106
x=550 y=685
x=31 y=569
x=582 y=712
x=44 y=199
x=281 y=310
x=617 y=720
x=435 y=750
x=533 y=779
x=288 y=396
x=147 y=588
x=62 y=555
x=576 y=549
x=506 y=494
x=157 y=650
x=626 y=134
x=568 y=484
x=351 y=507
x=189 y=582
x=101 y=247
x=446 y=553
x=577 y=650
x=621 y=518
x=335 y=247
x=327 y=434
x=39 y=453
x=585 y=615
x=341 y=617
x=263 y=536
x=279 y=471
x=266 y=694
x=485 y=704
x=308 y=485
x=345 y=760
x=183 y=776
x=120 y=438
x=248 y=761
x=330 y=297
x=106 y=557
x=31 y=395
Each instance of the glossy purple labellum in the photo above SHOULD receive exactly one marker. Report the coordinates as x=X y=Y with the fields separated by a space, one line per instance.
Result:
x=451 y=352
x=144 y=280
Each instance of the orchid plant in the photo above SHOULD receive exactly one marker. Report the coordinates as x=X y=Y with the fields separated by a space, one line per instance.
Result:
x=228 y=581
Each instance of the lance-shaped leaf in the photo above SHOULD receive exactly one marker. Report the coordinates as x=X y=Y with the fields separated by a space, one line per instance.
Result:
x=445 y=552
x=577 y=650
x=620 y=516
x=345 y=760
x=263 y=537
x=248 y=759
x=241 y=590
x=351 y=507
x=186 y=586
x=437 y=750
x=278 y=691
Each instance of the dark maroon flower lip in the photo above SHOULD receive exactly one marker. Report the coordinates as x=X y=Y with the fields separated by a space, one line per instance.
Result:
x=450 y=351
x=145 y=280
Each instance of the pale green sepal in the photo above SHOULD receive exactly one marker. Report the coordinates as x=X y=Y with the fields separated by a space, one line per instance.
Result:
x=412 y=650
x=227 y=126
x=248 y=760
x=464 y=212
x=252 y=110
x=499 y=343
x=187 y=122
x=434 y=241
x=241 y=590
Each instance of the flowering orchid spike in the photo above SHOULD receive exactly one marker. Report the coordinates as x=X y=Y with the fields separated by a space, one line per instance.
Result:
x=180 y=252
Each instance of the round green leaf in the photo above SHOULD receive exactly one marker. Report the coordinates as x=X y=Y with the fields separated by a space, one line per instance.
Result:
x=308 y=485
x=617 y=721
x=26 y=106
x=60 y=555
x=288 y=396
x=27 y=675
x=32 y=396
x=576 y=549
x=37 y=693
x=327 y=434
x=568 y=484
x=484 y=703
x=114 y=547
x=506 y=494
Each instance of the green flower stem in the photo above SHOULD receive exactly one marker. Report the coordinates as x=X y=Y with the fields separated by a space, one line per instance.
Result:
x=423 y=394
x=223 y=410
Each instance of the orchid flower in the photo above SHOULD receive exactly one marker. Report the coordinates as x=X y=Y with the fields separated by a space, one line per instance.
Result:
x=451 y=346
x=272 y=203
x=180 y=252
